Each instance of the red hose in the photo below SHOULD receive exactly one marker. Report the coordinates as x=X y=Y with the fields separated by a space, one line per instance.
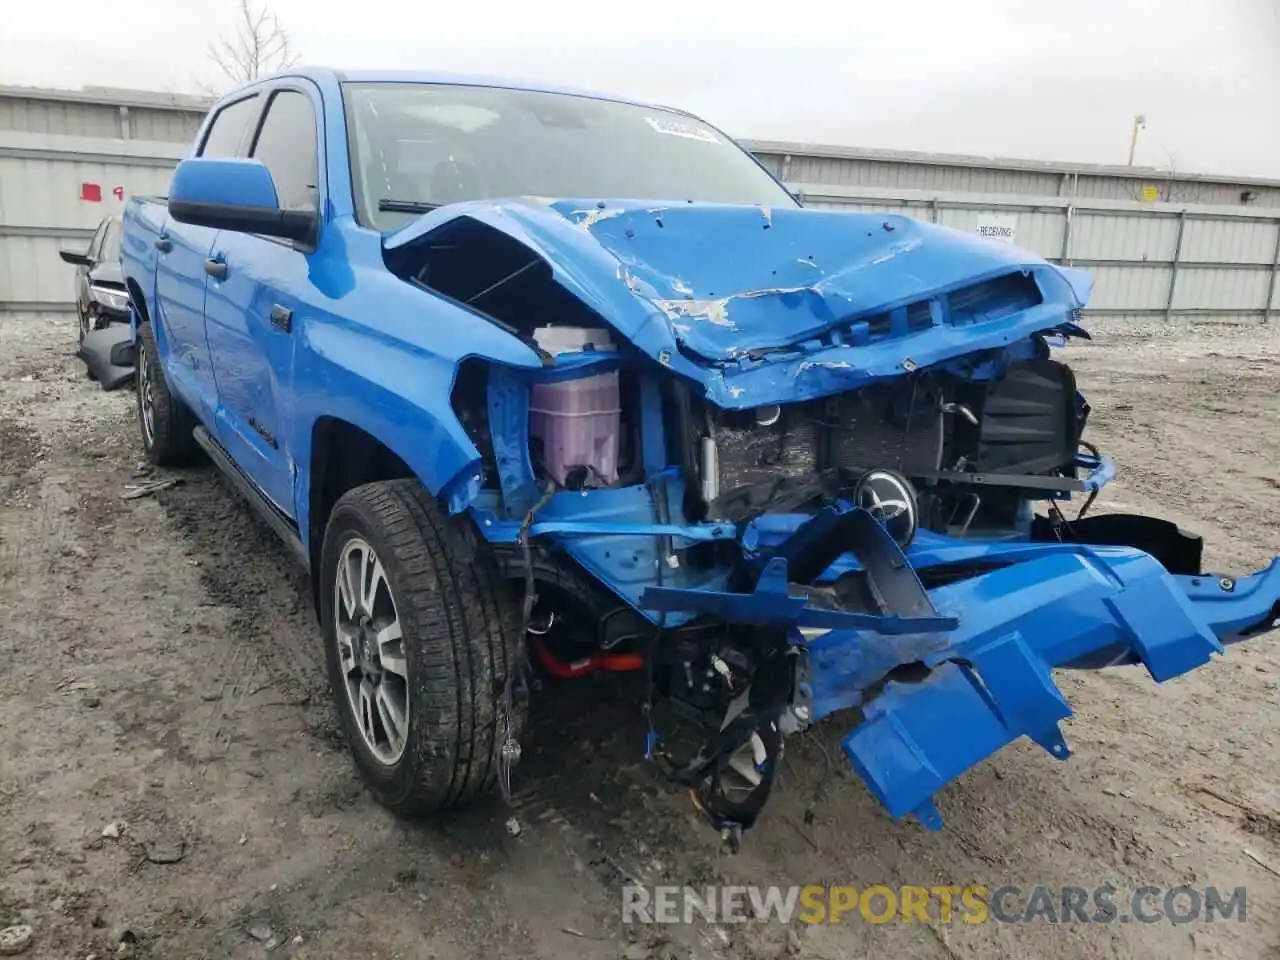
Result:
x=615 y=662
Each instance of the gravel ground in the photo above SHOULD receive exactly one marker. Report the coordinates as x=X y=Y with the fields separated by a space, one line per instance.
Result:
x=161 y=681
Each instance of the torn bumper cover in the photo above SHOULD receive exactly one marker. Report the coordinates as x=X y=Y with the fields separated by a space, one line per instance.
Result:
x=109 y=355
x=992 y=682
x=988 y=645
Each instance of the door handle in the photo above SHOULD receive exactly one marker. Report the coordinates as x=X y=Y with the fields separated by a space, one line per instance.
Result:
x=164 y=244
x=215 y=268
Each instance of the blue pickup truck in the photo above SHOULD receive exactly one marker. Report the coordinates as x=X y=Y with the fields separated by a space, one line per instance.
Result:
x=532 y=379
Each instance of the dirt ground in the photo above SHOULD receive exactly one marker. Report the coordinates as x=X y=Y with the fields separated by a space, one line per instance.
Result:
x=160 y=677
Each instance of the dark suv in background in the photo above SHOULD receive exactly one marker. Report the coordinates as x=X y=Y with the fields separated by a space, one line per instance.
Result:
x=100 y=294
x=102 y=306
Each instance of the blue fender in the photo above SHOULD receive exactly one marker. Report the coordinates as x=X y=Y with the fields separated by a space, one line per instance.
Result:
x=391 y=375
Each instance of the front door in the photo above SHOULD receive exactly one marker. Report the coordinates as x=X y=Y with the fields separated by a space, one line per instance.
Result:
x=254 y=304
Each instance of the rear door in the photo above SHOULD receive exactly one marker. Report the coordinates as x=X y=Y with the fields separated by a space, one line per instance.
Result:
x=253 y=309
x=183 y=250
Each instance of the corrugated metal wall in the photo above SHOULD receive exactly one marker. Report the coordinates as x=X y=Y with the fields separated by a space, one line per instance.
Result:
x=102 y=112
x=1156 y=244
x=948 y=173
x=1146 y=258
x=42 y=180
x=53 y=144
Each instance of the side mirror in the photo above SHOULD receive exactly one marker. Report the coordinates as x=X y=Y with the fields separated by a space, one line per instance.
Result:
x=235 y=195
x=75 y=259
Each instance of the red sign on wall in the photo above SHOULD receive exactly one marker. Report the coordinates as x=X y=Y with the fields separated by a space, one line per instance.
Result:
x=92 y=192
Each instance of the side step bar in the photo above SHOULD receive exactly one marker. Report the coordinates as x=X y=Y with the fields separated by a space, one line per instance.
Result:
x=284 y=528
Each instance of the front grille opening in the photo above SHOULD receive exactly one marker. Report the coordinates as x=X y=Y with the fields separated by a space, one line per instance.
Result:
x=989 y=300
x=994 y=299
x=919 y=316
x=880 y=326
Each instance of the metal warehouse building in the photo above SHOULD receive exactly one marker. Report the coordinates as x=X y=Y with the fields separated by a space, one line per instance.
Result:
x=1157 y=243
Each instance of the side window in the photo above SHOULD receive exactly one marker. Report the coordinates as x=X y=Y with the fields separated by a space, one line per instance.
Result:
x=227 y=131
x=286 y=145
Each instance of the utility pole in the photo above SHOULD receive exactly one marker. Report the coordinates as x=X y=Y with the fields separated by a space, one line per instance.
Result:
x=1139 y=121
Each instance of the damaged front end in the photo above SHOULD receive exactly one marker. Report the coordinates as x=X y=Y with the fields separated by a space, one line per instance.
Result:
x=798 y=462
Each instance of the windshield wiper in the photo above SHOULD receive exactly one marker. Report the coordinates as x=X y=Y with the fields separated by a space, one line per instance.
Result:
x=386 y=205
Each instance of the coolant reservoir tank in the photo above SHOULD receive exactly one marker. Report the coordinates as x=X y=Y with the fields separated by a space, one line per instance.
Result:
x=577 y=421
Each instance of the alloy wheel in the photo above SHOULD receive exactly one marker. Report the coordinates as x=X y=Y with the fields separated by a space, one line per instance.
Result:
x=371 y=651
x=146 y=396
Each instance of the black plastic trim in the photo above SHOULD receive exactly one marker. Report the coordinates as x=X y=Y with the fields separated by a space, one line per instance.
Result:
x=1177 y=550
x=124 y=353
x=298 y=225
x=1023 y=481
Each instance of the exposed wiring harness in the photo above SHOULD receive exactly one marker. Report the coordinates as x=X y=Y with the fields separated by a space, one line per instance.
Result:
x=508 y=741
x=1057 y=519
x=1093 y=494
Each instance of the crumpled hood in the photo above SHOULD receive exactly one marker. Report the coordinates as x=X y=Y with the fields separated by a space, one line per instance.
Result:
x=726 y=282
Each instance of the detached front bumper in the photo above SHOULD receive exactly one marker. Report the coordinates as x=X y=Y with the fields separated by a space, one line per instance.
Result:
x=981 y=650
x=990 y=681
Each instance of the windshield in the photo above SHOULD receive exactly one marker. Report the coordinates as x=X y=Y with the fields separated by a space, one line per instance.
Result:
x=417 y=146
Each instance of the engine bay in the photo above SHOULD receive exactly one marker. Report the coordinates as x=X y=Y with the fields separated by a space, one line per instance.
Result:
x=639 y=518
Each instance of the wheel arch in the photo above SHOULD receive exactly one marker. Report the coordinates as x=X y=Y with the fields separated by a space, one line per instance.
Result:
x=141 y=313
x=344 y=454
x=139 y=301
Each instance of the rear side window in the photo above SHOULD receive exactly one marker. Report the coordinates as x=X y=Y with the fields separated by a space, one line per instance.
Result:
x=227 y=131
x=286 y=146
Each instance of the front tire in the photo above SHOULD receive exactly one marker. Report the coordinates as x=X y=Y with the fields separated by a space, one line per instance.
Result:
x=418 y=643
x=164 y=422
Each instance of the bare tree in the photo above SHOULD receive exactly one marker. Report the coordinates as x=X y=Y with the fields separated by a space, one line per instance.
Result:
x=258 y=45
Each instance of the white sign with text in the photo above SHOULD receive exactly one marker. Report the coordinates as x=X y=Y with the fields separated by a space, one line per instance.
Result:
x=998 y=226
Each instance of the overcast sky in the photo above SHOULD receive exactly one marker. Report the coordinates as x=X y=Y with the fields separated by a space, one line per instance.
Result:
x=1030 y=78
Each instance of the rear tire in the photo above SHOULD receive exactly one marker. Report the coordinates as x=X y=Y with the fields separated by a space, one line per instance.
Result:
x=164 y=422
x=418 y=642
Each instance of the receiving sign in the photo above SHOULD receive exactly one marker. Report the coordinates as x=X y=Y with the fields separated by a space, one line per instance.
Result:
x=998 y=226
